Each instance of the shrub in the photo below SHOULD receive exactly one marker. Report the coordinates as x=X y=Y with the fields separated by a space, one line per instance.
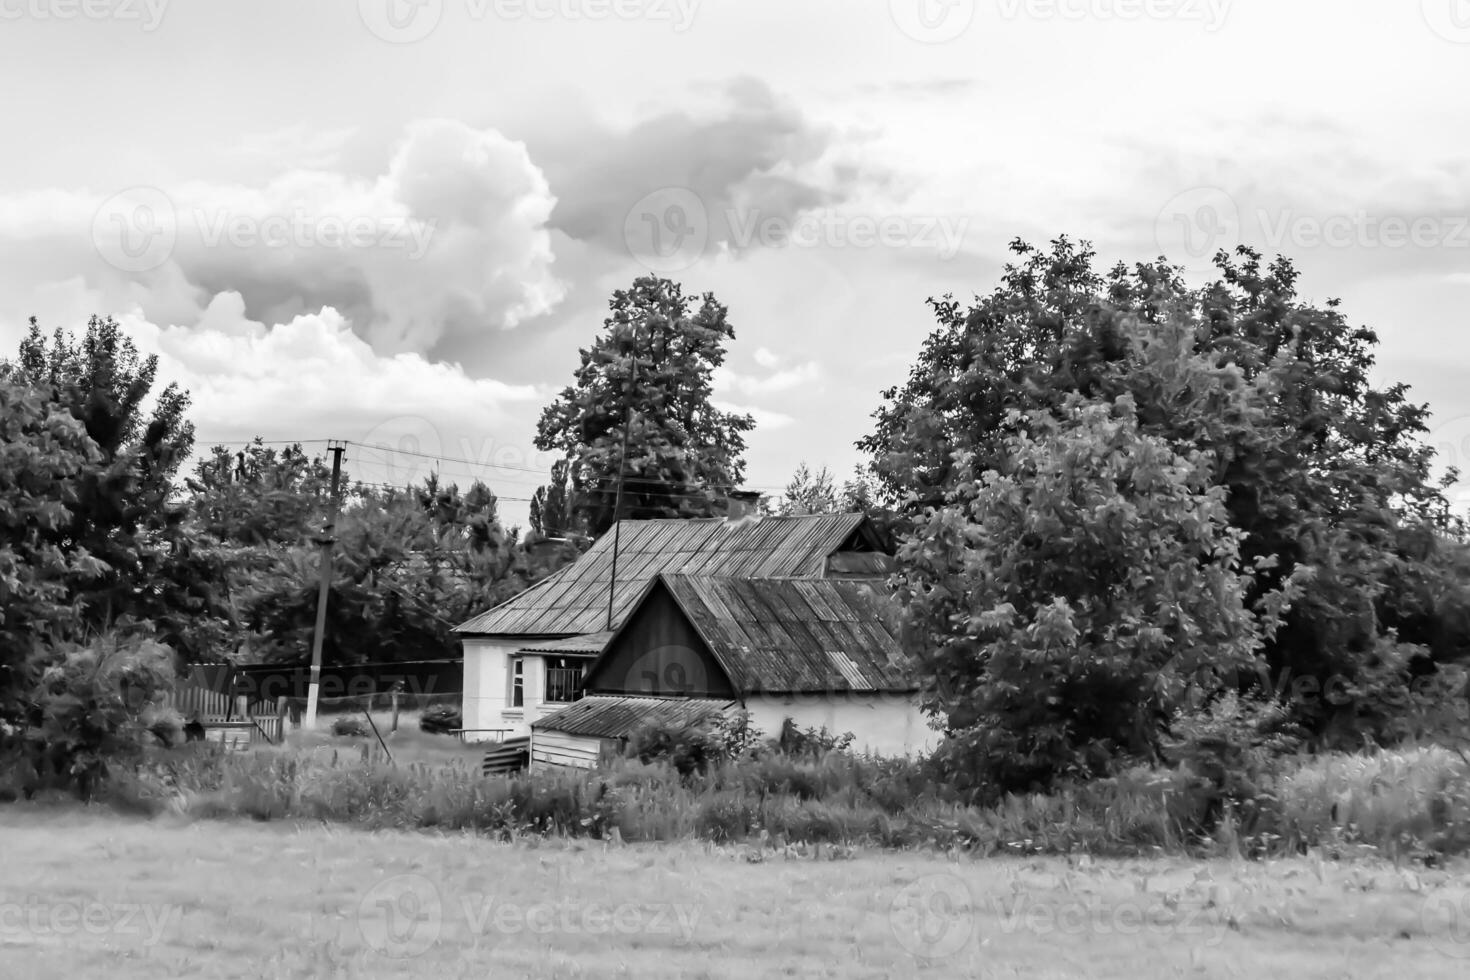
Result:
x=811 y=741
x=91 y=706
x=349 y=726
x=441 y=719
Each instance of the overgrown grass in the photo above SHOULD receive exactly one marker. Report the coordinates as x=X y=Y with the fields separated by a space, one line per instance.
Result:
x=1409 y=803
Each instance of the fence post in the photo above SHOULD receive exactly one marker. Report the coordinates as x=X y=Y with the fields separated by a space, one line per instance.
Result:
x=394 y=693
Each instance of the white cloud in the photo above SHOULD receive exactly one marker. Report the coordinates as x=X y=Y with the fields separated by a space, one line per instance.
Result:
x=784 y=379
x=450 y=241
x=764 y=419
x=313 y=378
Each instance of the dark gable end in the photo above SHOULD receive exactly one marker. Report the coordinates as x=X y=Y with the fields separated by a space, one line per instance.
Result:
x=658 y=652
x=700 y=636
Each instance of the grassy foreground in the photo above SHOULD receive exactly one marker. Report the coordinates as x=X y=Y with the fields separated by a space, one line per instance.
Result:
x=88 y=893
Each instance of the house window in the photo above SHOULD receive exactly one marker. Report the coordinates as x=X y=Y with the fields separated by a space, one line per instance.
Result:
x=518 y=682
x=563 y=681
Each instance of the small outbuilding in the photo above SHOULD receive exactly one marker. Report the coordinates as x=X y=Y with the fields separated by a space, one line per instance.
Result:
x=820 y=652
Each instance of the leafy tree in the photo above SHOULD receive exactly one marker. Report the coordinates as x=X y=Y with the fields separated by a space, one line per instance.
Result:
x=1325 y=475
x=1069 y=600
x=43 y=454
x=120 y=512
x=551 y=514
x=653 y=367
x=809 y=492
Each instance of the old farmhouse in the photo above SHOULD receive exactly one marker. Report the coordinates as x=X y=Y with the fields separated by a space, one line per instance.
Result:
x=785 y=616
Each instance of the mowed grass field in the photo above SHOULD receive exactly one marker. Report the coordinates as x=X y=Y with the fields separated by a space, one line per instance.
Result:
x=88 y=893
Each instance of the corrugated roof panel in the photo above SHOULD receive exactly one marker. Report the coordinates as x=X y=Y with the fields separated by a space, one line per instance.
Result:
x=618 y=717
x=780 y=636
x=574 y=600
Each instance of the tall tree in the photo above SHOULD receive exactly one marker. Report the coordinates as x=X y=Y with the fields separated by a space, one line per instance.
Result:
x=1325 y=475
x=648 y=377
x=121 y=511
x=1068 y=601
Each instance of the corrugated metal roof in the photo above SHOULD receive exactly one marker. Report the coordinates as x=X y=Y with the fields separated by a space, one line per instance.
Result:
x=609 y=717
x=574 y=600
x=790 y=636
x=586 y=643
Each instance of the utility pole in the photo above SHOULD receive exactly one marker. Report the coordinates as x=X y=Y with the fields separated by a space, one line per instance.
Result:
x=618 y=500
x=313 y=688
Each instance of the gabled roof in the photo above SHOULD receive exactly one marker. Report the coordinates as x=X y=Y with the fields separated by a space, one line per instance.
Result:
x=575 y=599
x=783 y=636
x=618 y=717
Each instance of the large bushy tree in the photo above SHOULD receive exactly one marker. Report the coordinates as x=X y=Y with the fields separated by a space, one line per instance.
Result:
x=651 y=370
x=1325 y=476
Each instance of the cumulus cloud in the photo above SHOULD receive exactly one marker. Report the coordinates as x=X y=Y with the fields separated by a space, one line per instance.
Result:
x=451 y=241
x=312 y=377
x=745 y=153
x=780 y=379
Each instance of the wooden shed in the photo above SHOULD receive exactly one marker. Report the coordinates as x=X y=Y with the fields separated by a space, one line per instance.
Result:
x=593 y=730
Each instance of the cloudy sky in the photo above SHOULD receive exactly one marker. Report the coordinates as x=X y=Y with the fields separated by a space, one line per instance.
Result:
x=396 y=221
